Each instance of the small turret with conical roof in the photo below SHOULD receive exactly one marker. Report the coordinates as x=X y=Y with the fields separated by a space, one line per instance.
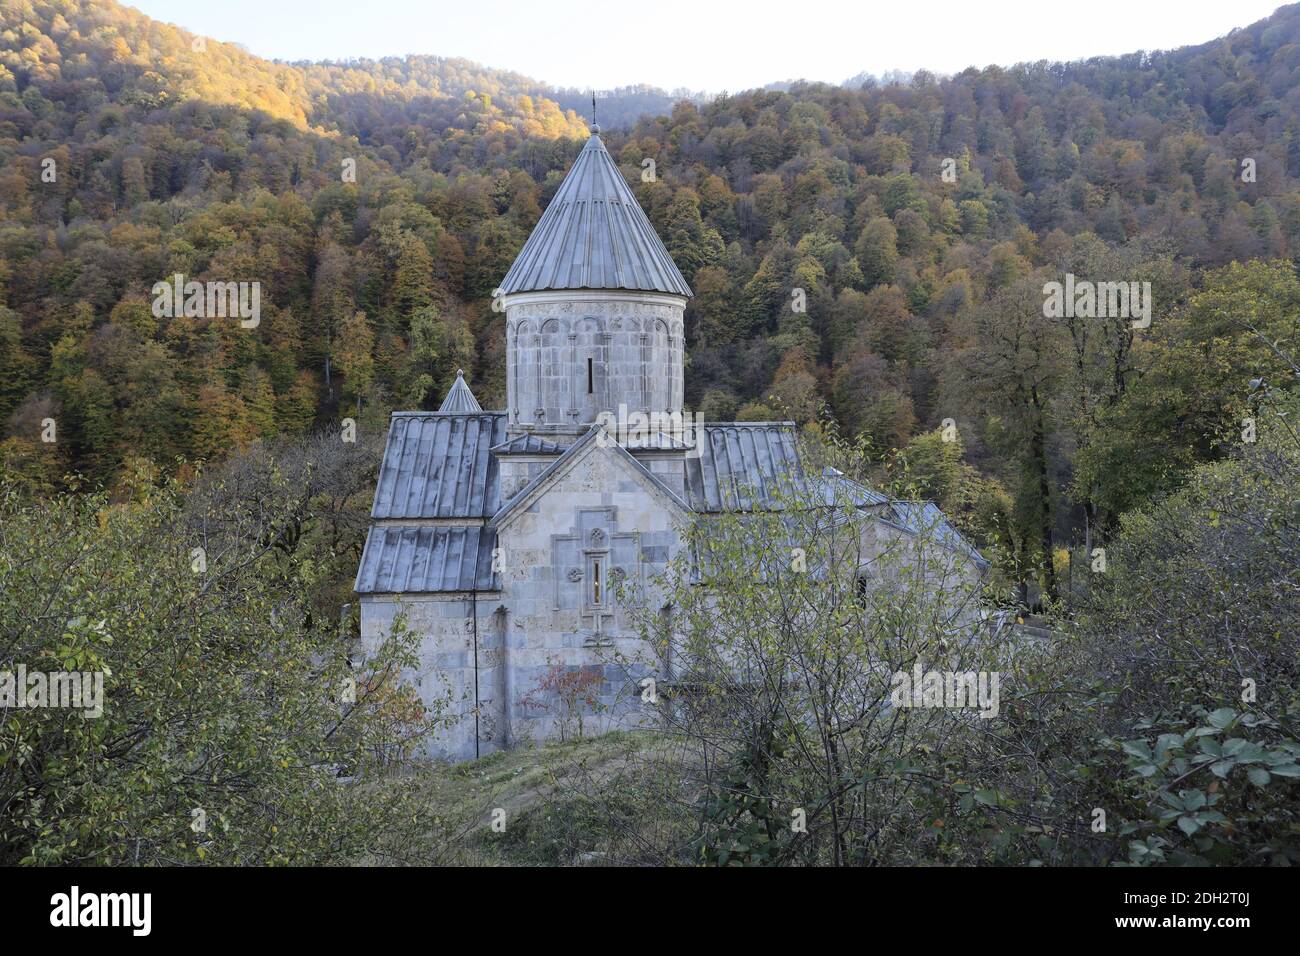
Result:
x=594 y=307
x=459 y=397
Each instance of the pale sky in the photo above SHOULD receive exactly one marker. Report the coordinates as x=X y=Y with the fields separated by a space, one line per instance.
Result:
x=703 y=45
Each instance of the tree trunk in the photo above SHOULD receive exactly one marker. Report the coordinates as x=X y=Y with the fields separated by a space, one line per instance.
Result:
x=1038 y=451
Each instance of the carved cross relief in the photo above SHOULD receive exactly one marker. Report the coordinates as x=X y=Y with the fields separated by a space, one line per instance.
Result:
x=589 y=563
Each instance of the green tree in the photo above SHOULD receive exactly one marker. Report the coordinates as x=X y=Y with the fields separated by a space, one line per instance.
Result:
x=225 y=717
x=877 y=252
x=1189 y=404
x=354 y=355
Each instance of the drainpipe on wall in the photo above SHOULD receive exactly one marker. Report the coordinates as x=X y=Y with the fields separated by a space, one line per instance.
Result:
x=507 y=676
x=474 y=617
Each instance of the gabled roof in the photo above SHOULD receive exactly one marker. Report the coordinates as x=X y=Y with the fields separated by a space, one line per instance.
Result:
x=837 y=488
x=411 y=559
x=439 y=465
x=459 y=397
x=594 y=235
x=748 y=466
x=926 y=519
x=556 y=469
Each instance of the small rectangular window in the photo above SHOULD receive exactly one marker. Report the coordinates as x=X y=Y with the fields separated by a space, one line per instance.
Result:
x=589 y=378
x=597 y=584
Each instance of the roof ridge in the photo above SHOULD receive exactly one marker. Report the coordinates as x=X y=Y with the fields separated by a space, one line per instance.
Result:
x=545 y=445
x=556 y=467
x=785 y=425
x=440 y=413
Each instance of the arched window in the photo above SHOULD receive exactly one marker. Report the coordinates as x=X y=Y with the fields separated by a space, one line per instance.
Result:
x=661 y=369
x=588 y=370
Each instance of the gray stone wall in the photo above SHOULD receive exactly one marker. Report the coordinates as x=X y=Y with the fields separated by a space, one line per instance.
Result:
x=598 y=522
x=947 y=578
x=516 y=471
x=668 y=467
x=444 y=678
x=572 y=355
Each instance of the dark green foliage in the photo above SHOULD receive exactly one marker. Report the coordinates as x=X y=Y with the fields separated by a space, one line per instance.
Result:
x=234 y=728
x=213 y=163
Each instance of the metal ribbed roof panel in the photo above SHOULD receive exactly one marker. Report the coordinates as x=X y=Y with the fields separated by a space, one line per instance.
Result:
x=440 y=465
x=529 y=445
x=405 y=560
x=594 y=235
x=741 y=466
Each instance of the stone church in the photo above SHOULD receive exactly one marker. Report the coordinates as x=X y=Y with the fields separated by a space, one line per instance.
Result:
x=501 y=535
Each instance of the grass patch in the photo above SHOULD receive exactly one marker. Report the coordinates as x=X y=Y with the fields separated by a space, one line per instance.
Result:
x=547 y=821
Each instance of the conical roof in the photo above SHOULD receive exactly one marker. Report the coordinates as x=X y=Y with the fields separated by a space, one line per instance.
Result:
x=593 y=235
x=459 y=397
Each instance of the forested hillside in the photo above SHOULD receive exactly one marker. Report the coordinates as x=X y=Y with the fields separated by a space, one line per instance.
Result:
x=172 y=154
